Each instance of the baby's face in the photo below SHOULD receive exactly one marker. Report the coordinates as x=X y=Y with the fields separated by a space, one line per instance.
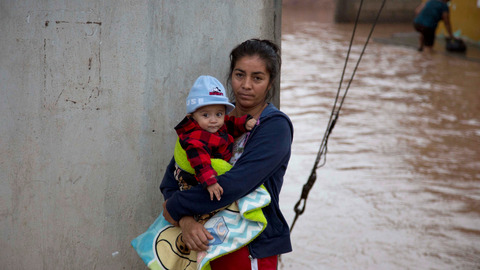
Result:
x=210 y=117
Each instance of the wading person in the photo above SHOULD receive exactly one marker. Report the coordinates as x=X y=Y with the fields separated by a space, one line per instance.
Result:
x=428 y=14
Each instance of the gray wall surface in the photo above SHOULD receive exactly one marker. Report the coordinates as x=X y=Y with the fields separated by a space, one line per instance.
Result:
x=90 y=92
x=394 y=11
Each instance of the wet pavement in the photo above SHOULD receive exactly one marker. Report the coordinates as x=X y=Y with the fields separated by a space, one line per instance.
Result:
x=401 y=185
x=410 y=40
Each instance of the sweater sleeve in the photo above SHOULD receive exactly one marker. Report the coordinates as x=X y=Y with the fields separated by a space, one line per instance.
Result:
x=198 y=155
x=265 y=156
x=236 y=125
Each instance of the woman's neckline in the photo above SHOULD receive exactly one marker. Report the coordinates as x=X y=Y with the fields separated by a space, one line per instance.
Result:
x=255 y=113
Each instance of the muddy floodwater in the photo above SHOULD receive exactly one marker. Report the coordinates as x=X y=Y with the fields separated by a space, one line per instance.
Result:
x=401 y=185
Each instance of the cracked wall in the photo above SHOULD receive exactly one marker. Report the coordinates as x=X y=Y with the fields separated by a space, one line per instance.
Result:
x=89 y=94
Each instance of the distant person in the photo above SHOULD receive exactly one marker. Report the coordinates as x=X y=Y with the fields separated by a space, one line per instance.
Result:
x=428 y=14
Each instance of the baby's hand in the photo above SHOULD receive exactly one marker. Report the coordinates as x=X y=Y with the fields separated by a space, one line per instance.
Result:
x=250 y=124
x=216 y=190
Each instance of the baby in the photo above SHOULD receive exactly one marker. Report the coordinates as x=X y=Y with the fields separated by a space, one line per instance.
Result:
x=207 y=132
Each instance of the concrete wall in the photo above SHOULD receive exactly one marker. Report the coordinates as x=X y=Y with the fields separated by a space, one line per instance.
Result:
x=394 y=11
x=89 y=93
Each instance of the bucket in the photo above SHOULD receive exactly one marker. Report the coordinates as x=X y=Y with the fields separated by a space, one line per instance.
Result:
x=455 y=45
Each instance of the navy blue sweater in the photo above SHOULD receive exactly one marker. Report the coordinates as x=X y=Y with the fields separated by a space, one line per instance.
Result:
x=264 y=161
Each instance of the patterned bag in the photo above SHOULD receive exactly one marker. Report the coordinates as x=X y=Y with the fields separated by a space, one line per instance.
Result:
x=162 y=246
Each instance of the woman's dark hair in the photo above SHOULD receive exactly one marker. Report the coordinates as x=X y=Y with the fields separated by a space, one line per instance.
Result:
x=268 y=51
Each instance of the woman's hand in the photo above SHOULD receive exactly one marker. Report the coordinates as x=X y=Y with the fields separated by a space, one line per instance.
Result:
x=194 y=234
x=167 y=216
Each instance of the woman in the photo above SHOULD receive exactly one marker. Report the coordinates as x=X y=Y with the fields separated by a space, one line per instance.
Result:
x=262 y=158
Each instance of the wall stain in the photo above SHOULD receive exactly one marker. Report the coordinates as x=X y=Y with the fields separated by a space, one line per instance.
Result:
x=81 y=85
x=69 y=100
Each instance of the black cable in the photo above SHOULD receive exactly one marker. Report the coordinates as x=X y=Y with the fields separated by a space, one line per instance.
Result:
x=333 y=118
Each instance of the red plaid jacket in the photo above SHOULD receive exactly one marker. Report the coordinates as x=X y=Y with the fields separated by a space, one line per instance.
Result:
x=201 y=145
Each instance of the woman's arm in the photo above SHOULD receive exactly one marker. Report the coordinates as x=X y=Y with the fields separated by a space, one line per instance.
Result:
x=265 y=154
x=194 y=234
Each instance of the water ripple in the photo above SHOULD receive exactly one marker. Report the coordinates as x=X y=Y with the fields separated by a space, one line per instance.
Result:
x=401 y=185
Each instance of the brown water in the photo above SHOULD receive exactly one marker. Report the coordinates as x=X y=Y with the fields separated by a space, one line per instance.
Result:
x=401 y=186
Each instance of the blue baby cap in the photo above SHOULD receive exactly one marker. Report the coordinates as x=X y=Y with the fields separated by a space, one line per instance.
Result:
x=207 y=90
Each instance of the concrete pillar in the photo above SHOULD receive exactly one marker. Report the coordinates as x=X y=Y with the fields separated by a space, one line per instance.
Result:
x=89 y=93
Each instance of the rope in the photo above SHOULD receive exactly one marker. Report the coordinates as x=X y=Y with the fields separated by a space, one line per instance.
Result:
x=300 y=206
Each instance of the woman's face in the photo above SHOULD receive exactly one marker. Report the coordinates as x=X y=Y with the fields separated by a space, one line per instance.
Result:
x=250 y=82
